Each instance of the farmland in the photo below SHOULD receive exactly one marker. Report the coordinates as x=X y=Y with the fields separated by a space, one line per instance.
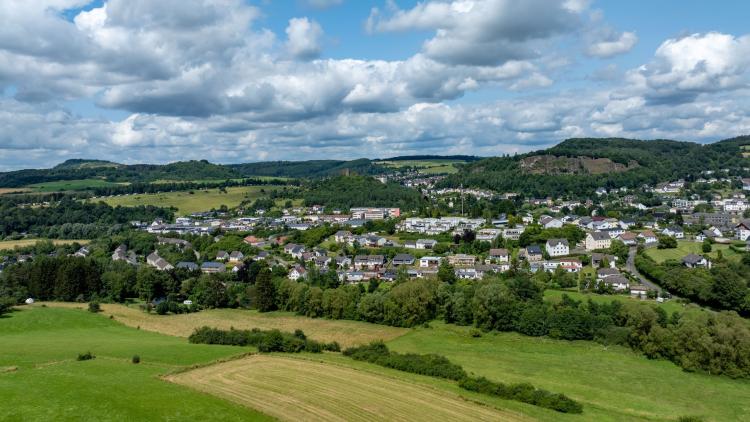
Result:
x=187 y=202
x=687 y=247
x=588 y=372
x=12 y=244
x=40 y=378
x=669 y=306
x=328 y=385
x=425 y=166
x=67 y=185
x=324 y=391
x=346 y=333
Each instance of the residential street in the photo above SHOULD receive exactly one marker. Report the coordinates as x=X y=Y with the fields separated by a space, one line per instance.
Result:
x=630 y=266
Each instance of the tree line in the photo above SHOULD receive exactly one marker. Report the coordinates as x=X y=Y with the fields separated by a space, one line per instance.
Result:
x=72 y=219
x=724 y=286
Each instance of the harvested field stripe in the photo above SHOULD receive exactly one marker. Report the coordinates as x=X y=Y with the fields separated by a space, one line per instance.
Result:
x=346 y=333
x=300 y=389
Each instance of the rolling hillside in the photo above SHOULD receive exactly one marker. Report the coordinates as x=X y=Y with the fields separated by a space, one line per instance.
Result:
x=579 y=166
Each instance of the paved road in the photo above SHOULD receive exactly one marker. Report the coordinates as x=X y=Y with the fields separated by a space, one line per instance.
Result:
x=630 y=266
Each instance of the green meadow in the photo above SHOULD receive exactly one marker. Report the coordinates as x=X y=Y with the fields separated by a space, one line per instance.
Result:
x=187 y=202
x=612 y=383
x=685 y=247
x=66 y=185
x=41 y=379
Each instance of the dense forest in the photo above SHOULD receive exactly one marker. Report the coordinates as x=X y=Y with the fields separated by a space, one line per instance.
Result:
x=642 y=162
x=312 y=169
x=77 y=169
x=344 y=192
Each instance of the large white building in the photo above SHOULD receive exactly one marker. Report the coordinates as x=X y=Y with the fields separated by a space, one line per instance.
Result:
x=557 y=247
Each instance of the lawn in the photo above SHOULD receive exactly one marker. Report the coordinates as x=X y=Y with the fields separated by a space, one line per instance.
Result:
x=64 y=185
x=187 y=203
x=40 y=378
x=346 y=333
x=668 y=305
x=311 y=390
x=685 y=247
x=12 y=244
x=613 y=383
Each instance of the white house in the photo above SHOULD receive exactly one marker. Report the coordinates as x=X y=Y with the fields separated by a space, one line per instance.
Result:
x=550 y=222
x=297 y=272
x=695 y=261
x=429 y=261
x=742 y=230
x=675 y=232
x=648 y=237
x=499 y=255
x=557 y=247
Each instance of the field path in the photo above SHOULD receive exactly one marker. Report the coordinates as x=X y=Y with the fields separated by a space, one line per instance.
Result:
x=294 y=389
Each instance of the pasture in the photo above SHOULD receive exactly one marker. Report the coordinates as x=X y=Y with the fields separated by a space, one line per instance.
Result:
x=429 y=167
x=294 y=389
x=613 y=383
x=685 y=247
x=187 y=202
x=669 y=306
x=67 y=185
x=346 y=333
x=22 y=243
x=40 y=378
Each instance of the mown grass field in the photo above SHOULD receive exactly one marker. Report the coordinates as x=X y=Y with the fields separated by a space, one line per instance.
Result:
x=64 y=185
x=12 y=244
x=669 y=305
x=187 y=203
x=41 y=380
x=293 y=389
x=346 y=333
x=5 y=191
x=613 y=383
x=425 y=166
x=687 y=247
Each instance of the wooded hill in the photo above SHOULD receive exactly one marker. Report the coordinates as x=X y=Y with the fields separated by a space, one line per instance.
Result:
x=185 y=171
x=579 y=166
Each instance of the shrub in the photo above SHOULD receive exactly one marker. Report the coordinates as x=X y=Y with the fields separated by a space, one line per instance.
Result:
x=266 y=341
x=6 y=304
x=136 y=359
x=475 y=332
x=85 y=356
x=94 y=307
x=525 y=393
x=162 y=308
x=431 y=365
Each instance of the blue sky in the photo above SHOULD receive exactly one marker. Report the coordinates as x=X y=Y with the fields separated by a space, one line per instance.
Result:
x=235 y=80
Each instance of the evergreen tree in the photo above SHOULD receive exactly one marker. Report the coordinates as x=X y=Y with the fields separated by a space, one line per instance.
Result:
x=266 y=291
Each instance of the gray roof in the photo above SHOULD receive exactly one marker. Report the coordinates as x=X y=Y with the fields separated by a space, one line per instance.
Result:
x=192 y=266
x=600 y=236
x=692 y=259
x=555 y=242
